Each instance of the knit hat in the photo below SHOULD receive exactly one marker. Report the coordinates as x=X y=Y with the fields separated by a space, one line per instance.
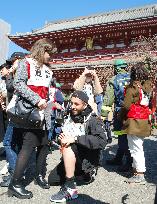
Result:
x=81 y=95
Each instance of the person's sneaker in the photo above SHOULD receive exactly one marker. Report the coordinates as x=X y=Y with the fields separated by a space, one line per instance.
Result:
x=6 y=182
x=64 y=195
x=5 y=178
x=137 y=178
x=8 y=176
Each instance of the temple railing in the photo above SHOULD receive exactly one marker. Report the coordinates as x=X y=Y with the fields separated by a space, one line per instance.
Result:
x=95 y=59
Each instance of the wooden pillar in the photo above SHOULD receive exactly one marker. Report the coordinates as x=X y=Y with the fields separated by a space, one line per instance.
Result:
x=126 y=40
x=150 y=32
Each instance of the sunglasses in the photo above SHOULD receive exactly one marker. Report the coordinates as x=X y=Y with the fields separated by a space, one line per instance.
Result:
x=50 y=50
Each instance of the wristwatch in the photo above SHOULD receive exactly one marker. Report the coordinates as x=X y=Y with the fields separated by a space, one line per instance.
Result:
x=75 y=138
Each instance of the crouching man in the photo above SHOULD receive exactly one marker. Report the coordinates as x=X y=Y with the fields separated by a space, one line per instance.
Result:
x=82 y=139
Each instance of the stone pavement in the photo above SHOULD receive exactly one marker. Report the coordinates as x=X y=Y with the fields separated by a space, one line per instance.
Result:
x=109 y=186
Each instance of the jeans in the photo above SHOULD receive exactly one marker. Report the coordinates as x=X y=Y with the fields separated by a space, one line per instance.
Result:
x=51 y=131
x=99 y=101
x=51 y=135
x=55 y=128
x=107 y=125
x=11 y=155
x=56 y=132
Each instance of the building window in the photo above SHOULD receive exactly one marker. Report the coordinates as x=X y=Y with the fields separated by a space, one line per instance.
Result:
x=73 y=50
x=66 y=50
x=82 y=49
x=120 y=44
x=97 y=47
x=110 y=46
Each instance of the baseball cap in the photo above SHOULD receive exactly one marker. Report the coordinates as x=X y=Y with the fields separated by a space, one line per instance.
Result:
x=14 y=56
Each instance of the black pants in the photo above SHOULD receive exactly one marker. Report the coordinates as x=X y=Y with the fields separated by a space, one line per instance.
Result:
x=25 y=154
x=123 y=149
x=58 y=174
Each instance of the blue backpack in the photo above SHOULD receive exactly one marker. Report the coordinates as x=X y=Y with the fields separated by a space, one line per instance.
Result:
x=120 y=82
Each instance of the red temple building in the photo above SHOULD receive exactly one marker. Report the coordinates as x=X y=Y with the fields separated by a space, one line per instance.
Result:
x=95 y=40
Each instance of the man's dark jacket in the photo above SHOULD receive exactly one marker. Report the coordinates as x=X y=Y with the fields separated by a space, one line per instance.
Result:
x=95 y=137
x=9 y=86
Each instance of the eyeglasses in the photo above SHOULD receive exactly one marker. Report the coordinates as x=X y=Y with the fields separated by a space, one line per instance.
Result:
x=50 y=50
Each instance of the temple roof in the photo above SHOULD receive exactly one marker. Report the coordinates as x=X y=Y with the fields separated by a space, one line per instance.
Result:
x=104 y=18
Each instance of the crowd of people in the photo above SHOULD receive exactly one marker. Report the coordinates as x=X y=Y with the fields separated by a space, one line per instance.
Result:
x=35 y=118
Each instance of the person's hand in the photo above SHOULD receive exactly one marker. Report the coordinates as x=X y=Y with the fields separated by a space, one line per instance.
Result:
x=42 y=104
x=65 y=140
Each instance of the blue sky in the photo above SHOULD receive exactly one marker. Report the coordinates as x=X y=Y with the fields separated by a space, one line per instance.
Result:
x=25 y=16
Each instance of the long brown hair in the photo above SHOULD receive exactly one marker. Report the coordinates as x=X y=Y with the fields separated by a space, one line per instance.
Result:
x=139 y=73
x=40 y=47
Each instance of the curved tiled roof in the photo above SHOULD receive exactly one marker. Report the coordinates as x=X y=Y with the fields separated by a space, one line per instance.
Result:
x=105 y=18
